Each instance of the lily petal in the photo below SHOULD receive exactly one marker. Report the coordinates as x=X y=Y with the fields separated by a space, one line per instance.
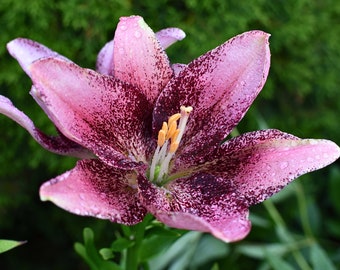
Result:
x=220 y=86
x=58 y=144
x=201 y=202
x=105 y=61
x=27 y=51
x=99 y=112
x=169 y=36
x=261 y=163
x=94 y=189
x=139 y=58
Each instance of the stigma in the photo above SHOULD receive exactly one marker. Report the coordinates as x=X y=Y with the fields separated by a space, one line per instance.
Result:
x=169 y=138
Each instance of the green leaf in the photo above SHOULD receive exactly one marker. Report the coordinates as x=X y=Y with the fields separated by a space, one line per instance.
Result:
x=176 y=251
x=319 y=258
x=259 y=251
x=208 y=249
x=276 y=262
x=120 y=244
x=106 y=253
x=6 y=245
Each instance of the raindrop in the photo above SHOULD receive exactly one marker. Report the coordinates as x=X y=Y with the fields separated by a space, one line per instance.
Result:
x=121 y=50
x=138 y=34
x=284 y=165
x=123 y=27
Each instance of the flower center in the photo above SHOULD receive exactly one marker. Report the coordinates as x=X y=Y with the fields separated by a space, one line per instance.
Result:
x=169 y=138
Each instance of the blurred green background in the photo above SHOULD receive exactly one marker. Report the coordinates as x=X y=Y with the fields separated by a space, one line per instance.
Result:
x=301 y=97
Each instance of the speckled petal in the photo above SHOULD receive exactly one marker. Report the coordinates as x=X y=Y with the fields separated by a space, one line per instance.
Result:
x=57 y=144
x=27 y=51
x=94 y=189
x=139 y=58
x=261 y=163
x=201 y=202
x=169 y=36
x=220 y=86
x=98 y=112
x=104 y=63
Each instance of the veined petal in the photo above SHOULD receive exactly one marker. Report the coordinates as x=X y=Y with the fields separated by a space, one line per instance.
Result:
x=139 y=58
x=105 y=59
x=169 y=36
x=57 y=144
x=99 y=112
x=261 y=163
x=220 y=86
x=27 y=51
x=201 y=202
x=94 y=189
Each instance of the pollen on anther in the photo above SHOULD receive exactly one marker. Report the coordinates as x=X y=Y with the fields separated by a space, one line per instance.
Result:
x=161 y=137
x=172 y=129
x=174 y=118
x=173 y=147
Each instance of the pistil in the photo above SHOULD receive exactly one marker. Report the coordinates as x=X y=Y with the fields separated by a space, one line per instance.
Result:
x=169 y=138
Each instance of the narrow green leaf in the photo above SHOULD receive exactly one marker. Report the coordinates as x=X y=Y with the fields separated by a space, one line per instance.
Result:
x=319 y=258
x=6 y=245
x=209 y=249
x=178 y=249
x=259 y=251
x=276 y=262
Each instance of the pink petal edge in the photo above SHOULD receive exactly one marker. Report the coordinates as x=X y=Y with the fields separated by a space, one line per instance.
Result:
x=139 y=58
x=169 y=36
x=94 y=189
x=27 y=51
x=57 y=144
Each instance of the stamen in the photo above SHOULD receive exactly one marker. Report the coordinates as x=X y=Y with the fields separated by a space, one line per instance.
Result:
x=171 y=131
x=161 y=137
x=169 y=138
x=174 y=118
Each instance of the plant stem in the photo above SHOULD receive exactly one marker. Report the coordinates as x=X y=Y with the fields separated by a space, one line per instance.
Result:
x=132 y=257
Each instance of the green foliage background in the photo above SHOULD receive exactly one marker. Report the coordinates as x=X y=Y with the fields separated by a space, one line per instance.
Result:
x=301 y=97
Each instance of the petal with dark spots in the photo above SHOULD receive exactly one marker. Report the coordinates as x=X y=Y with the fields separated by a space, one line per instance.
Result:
x=261 y=163
x=99 y=112
x=27 y=51
x=95 y=189
x=139 y=58
x=57 y=144
x=201 y=202
x=169 y=36
x=220 y=86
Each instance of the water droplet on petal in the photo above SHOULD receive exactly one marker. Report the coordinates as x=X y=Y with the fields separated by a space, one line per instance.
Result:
x=123 y=27
x=284 y=165
x=121 y=50
x=138 y=34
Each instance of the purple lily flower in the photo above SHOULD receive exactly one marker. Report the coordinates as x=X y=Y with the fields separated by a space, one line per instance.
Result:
x=151 y=134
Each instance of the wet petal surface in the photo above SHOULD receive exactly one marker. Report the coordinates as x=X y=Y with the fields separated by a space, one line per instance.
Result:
x=94 y=189
x=139 y=58
x=201 y=202
x=220 y=86
x=101 y=113
x=57 y=144
x=261 y=163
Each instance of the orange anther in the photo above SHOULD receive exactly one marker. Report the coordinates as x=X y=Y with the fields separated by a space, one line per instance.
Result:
x=174 y=118
x=161 y=137
x=173 y=147
x=171 y=130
